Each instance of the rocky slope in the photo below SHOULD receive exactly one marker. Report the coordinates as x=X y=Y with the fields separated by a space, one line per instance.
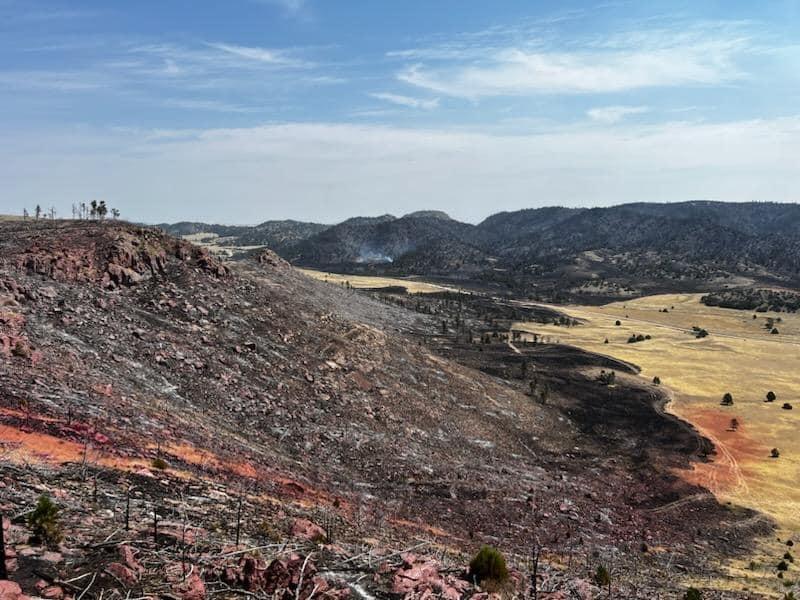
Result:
x=242 y=414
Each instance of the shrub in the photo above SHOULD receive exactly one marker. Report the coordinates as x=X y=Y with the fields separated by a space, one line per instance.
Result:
x=602 y=577
x=607 y=377
x=21 y=350
x=783 y=566
x=727 y=399
x=618 y=323
x=775 y=453
x=774 y=331
x=489 y=565
x=788 y=556
x=771 y=397
x=693 y=594
x=657 y=380
x=43 y=521
x=786 y=406
x=159 y=463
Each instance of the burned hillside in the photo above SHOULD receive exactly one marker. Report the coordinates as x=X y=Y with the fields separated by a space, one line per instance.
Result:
x=127 y=356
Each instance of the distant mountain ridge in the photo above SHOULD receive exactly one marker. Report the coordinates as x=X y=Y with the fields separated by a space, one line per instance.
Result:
x=280 y=236
x=696 y=241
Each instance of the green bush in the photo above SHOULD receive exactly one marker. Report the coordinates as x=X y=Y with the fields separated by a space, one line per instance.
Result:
x=602 y=577
x=43 y=521
x=489 y=565
x=693 y=594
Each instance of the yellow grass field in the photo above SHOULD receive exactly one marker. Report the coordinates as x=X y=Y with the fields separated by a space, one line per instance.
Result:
x=739 y=356
x=364 y=281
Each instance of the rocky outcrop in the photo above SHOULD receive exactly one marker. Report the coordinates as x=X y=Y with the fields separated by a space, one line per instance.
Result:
x=111 y=254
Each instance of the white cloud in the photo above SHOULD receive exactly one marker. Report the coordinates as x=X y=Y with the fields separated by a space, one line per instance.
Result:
x=262 y=55
x=614 y=114
x=408 y=101
x=619 y=63
x=207 y=105
x=52 y=81
x=326 y=172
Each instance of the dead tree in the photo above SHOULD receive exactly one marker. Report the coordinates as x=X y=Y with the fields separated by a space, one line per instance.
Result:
x=239 y=518
x=536 y=554
x=155 y=524
x=3 y=571
x=128 y=508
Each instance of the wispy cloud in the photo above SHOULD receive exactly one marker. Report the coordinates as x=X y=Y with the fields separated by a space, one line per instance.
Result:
x=408 y=101
x=628 y=61
x=220 y=56
x=353 y=165
x=262 y=55
x=58 y=81
x=614 y=114
x=208 y=105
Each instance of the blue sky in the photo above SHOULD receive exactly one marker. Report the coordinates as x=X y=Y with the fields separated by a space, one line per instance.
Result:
x=246 y=110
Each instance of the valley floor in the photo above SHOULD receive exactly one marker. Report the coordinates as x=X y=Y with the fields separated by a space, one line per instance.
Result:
x=739 y=356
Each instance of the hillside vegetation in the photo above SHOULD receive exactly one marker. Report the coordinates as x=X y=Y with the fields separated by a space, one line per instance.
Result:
x=566 y=253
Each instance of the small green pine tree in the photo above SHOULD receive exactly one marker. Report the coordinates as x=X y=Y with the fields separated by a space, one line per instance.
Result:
x=602 y=577
x=489 y=565
x=44 y=523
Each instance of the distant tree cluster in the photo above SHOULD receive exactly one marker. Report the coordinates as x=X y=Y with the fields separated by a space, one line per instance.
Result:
x=94 y=210
x=760 y=300
x=638 y=338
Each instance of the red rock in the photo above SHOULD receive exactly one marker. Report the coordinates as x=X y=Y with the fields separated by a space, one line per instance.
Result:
x=52 y=557
x=191 y=589
x=53 y=592
x=127 y=576
x=384 y=568
x=320 y=584
x=129 y=559
x=305 y=529
x=10 y=591
x=277 y=576
x=583 y=589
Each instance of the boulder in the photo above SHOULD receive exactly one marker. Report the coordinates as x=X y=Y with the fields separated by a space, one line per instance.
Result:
x=11 y=591
x=126 y=575
x=307 y=530
x=193 y=588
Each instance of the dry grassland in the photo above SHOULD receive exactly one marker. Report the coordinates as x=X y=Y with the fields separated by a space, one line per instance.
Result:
x=739 y=356
x=363 y=281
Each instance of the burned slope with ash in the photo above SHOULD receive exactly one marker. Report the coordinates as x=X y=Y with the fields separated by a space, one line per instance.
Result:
x=129 y=357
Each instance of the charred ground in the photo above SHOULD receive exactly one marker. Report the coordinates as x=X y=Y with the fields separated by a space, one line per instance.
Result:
x=383 y=421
